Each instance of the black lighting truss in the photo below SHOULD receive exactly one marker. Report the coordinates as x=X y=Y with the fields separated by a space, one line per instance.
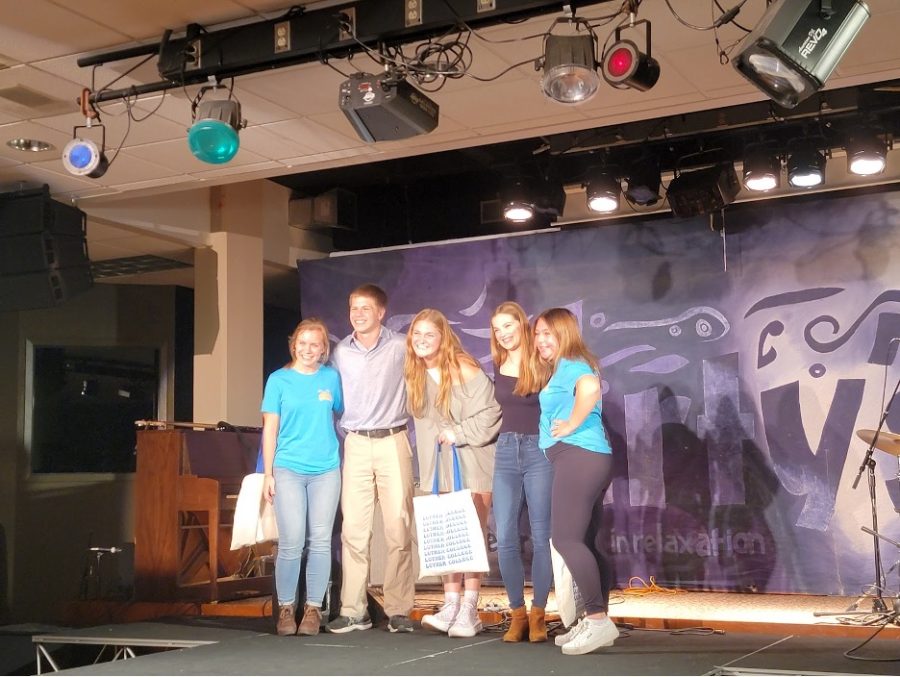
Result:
x=315 y=35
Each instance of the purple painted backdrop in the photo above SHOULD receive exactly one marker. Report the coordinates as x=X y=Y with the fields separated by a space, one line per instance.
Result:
x=731 y=396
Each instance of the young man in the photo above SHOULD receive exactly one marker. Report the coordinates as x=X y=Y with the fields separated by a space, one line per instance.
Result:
x=377 y=464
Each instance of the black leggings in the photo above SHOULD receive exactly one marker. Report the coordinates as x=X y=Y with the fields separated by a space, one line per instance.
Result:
x=580 y=478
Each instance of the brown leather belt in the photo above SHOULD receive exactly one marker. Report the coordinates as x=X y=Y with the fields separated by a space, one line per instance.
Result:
x=380 y=432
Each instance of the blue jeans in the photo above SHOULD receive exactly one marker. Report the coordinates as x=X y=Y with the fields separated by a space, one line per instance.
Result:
x=305 y=506
x=522 y=474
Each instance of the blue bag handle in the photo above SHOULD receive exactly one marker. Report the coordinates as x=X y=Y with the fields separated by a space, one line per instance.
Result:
x=457 y=478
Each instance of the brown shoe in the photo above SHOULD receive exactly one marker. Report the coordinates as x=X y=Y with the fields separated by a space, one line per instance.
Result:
x=537 y=625
x=518 y=626
x=312 y=621
x=287 y=624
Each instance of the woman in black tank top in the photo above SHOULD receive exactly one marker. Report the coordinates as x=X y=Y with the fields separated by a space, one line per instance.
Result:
x=522 y=474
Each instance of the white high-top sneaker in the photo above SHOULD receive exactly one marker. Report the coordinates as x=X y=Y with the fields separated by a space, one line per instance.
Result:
x=443 y=619
x=467 y=623
x=559 y=640
x=593 y=635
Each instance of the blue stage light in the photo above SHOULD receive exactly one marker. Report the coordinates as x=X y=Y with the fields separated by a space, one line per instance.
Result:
x=82 y=157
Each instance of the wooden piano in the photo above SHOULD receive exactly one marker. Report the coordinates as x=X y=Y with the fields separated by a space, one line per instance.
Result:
x=186 y=489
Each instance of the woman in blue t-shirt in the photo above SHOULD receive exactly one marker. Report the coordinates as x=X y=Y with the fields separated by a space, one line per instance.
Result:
x=575 y=442
x=302 y=471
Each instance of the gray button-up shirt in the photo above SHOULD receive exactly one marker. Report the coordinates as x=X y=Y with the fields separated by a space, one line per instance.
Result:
x=372 y=381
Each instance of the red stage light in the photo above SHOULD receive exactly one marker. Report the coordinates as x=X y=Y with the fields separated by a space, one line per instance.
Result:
x=625 y=66
x=620 y=61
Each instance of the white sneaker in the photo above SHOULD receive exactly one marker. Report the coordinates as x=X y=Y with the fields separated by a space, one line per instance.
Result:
x=467 y=623
x=593 y=635
x=573 y=630
x=443 y=619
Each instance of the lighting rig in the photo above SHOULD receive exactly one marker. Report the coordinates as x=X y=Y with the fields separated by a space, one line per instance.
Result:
x=788 y=55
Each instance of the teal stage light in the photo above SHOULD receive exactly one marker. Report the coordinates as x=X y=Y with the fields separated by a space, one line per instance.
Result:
x=213 y=137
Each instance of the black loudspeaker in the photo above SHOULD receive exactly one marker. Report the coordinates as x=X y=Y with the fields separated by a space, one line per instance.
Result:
x=43 y=251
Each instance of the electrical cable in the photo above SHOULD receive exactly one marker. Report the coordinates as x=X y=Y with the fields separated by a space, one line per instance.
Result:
x=646 y=588
x=849 y=653
x=724 y=18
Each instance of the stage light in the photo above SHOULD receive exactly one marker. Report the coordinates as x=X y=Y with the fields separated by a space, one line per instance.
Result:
x=528 y=197
x=796 y=45
x=570 y=68
x=866 y=153
x=602 y=190
x=385 y=107
x=806 y=165
x=625 y=66
x=83 y=157
x=703 y=191
x=518 y=201
x=761 y=168
x=213 y=136
x=642 y=181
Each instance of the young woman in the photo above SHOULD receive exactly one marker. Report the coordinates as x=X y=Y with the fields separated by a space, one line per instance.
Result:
x=574 y=439
x=302 y=468
x=522 y=474
x=451 y=401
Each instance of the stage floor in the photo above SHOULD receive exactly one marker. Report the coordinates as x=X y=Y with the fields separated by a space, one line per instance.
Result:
x=245 y=646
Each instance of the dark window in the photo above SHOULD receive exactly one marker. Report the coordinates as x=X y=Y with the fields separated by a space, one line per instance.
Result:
x=86 y=400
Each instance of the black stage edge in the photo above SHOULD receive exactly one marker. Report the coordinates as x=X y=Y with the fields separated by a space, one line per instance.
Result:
x=246 y=647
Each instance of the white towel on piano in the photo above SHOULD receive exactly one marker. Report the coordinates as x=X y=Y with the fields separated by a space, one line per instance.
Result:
x=254 y=517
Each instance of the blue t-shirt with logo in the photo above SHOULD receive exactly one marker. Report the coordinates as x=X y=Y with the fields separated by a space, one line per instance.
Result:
x=557 y=401
x=305 y=403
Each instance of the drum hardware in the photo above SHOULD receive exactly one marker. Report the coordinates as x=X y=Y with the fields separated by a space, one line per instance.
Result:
x=889 y=443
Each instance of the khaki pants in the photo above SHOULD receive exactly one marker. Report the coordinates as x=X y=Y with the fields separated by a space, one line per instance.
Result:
x=377 y=470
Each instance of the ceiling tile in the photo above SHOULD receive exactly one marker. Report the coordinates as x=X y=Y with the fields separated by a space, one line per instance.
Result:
x=39 y=29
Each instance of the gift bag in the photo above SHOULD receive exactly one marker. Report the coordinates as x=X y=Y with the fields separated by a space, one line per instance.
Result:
x=254 y=516
x=568 y=600
x=449 y=531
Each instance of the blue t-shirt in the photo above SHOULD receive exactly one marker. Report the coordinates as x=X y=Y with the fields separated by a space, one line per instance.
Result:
x=305 y=403
x=557 y=401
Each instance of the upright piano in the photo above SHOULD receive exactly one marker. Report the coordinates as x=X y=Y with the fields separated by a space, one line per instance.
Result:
x=186 y=489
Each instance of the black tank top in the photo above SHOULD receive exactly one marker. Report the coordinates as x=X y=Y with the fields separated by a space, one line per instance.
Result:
x=520 y=414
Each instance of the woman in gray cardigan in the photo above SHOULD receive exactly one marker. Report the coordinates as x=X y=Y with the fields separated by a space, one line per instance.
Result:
x=452 y=401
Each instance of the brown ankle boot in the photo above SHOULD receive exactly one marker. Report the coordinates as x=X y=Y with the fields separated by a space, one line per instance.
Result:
x=518 y=625
x=312 y=620
x=537 y=626
x=287 y=624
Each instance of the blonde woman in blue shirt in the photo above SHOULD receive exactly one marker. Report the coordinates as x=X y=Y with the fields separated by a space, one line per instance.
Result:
x=575 y=442
x=302 y=471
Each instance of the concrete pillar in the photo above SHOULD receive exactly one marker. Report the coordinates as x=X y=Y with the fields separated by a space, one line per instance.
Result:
x=228 y=309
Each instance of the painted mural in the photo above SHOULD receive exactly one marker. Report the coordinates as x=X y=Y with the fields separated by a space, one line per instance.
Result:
x=736 y=369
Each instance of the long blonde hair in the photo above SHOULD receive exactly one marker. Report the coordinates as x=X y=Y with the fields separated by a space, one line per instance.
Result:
x=314 y=324
x=531 y=370
x=564 y=326
x=450 y=354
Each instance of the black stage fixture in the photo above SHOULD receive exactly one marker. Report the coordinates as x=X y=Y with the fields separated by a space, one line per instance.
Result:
x=796 y=45
x=386 y=107
x=703 y=191
x=642 y=181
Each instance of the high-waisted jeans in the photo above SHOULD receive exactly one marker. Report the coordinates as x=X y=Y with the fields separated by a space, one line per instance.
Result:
x=305 y=506
x=523 y=475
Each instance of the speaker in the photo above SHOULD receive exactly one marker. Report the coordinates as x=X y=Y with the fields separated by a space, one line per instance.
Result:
x=382 y=108
x=43 y=251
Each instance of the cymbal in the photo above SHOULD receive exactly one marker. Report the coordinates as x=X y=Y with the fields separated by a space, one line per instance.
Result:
x=888 y=442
